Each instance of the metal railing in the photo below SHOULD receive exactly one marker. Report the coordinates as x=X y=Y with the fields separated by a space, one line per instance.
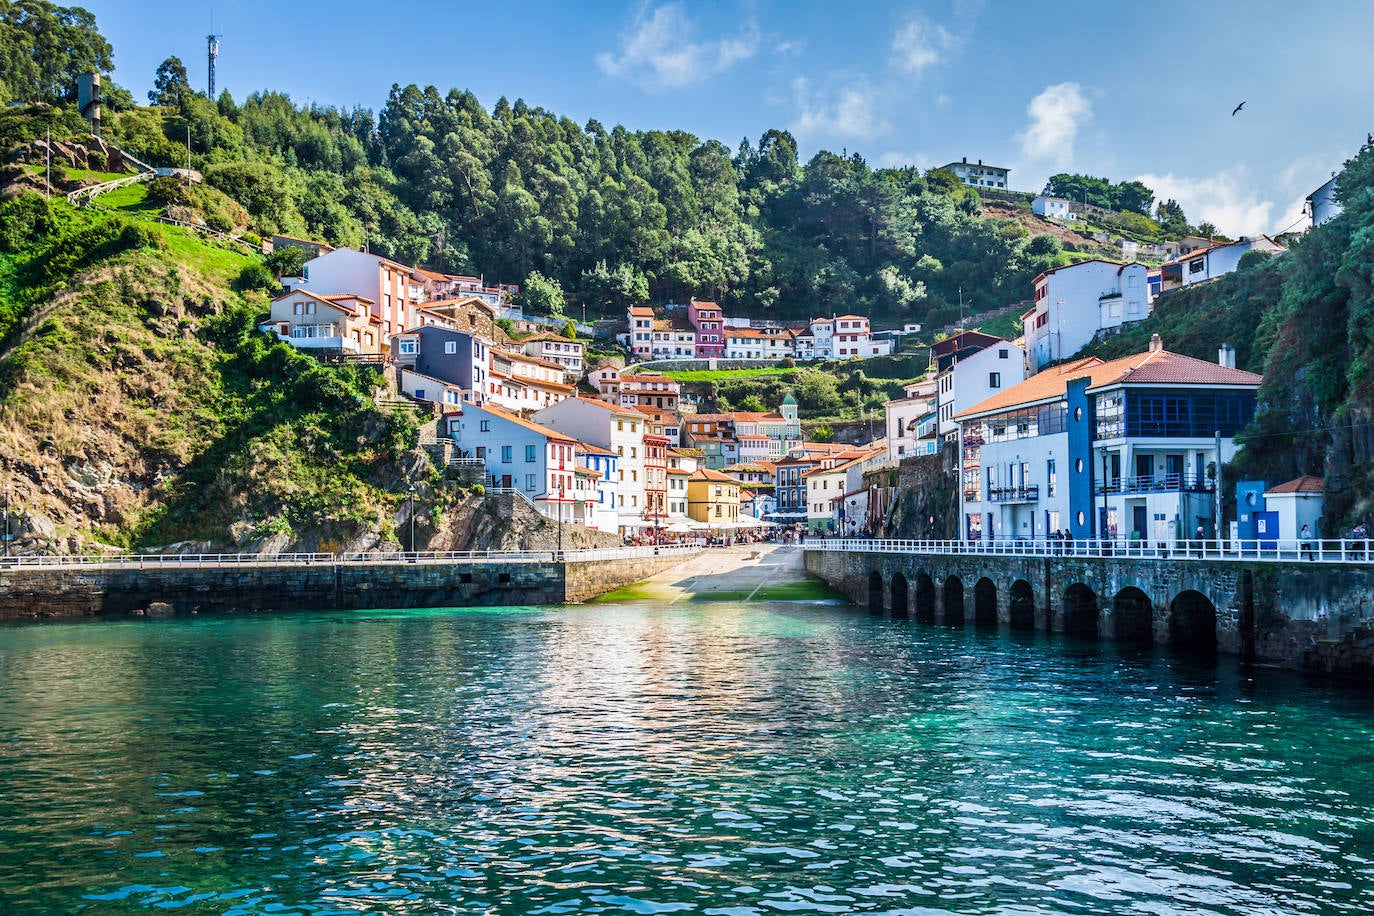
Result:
x=1159 y=483
x=1207 y=550
x=430 y=557
x=1014 y=494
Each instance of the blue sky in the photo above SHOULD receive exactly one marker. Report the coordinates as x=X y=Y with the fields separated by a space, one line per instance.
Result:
x=1117 y=90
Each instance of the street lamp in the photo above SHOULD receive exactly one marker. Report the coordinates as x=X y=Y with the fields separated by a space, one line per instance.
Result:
x=1102 y=525
x=410 y=491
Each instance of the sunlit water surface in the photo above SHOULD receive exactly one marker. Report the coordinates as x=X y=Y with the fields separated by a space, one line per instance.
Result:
x=718 y=759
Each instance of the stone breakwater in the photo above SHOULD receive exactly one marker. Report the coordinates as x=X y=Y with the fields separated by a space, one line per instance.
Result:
x=29 y=592
x=1292 y=614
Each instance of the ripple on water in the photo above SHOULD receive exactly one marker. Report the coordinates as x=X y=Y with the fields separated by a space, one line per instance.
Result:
x=719 y=759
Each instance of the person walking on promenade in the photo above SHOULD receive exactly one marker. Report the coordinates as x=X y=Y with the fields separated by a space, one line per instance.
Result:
x=1305 y=536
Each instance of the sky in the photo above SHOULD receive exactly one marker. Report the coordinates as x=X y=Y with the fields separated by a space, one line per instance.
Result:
x=1116 y=90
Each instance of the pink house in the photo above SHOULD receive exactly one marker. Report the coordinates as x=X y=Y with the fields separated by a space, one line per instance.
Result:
x=709 y=321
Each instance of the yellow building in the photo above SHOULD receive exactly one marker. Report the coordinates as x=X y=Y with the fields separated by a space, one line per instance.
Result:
x=713 y=498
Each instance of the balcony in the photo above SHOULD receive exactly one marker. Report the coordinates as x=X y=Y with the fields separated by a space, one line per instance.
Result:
x=1159 y=483
x=1014 y=494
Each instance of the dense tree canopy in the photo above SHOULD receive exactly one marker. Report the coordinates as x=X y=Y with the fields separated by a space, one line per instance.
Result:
x=1100 y=192
x=44 y=48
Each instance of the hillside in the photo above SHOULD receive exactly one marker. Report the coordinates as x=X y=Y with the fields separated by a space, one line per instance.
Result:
x=1305 y=320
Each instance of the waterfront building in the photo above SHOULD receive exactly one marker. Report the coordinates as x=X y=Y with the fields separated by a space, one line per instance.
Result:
x=520 y=455
x=713 y=498
x=619 y=429
x=1122 y=449
x=605 y=515
x=1296 y=504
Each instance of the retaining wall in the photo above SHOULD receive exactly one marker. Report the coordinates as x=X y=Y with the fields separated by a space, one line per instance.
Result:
x=39 y=592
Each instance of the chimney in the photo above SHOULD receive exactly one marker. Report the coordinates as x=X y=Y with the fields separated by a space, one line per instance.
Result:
x=1155 y=343
x=1226 y=356
x=980 y=162
x=965 y=160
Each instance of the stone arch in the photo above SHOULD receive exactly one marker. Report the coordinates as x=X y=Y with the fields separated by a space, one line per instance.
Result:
x=954 y=601
x=984 y=603
x=1193 y=623
x=925 y=598
x=1133 y=616
x=1080 y=610
x=875 y=591
x=1022 y=605
x=901 y=601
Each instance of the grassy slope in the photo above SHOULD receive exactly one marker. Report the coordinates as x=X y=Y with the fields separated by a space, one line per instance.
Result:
x=142 y=408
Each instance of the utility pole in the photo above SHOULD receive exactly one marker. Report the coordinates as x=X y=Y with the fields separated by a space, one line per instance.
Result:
x=1216 y=489
x=188 y=153
x=47 y=170
x=411 y=492
x=7 y=519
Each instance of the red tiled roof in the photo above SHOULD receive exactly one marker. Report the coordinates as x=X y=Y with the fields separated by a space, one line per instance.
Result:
x=1306 y=485
x=1156 y=368
x=708 y=474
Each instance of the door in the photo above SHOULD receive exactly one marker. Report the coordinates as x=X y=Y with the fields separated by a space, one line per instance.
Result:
x=1267 y=529
x=1144 y=469
x=1173 y=466
x=1138 y=530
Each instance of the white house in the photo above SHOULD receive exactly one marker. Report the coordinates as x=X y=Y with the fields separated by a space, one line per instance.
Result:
x=979 y=175
x=911 y=422
x=759 y=343
x=554 y=348
x=1322 y=204
x=973 y=375
x=1204 y=264
x=672 y=338
x=1296 y=503
x=841 y=337
x=619 y=429
x=1052 y=207
x=1074 y=303
x=1124 y=449
x=519 y=454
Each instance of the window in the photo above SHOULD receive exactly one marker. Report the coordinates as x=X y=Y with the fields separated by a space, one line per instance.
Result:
x=450 y=347
x=529 y=454
x=1197 y=266
x=485 y=426
x=1051 y=477
x=420 y=394
x=505 y=454
x=1003 y=353
x=529 y=482
x=994 y=380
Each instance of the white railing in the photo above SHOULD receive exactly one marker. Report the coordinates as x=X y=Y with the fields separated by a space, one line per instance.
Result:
x=1313 y=550
x=429 y=557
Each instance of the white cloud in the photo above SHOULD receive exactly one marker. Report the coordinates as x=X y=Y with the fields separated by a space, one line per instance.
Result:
x=1055 y=116
x=920 y=44
x=852 y=111
x=657 y=51
x=1227 y=199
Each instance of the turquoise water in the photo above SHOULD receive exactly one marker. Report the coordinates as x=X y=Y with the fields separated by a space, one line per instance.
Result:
x=717 y=759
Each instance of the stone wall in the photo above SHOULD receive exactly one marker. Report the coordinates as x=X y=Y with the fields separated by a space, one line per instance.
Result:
x=1300 y=615
x=41 y=593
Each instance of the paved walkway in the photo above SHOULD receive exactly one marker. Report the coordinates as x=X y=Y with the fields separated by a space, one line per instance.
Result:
x=754 y=571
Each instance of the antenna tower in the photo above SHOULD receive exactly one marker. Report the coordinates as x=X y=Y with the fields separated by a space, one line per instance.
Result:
x=212 y=46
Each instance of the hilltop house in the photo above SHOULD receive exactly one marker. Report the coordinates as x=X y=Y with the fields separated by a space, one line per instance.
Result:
x=339 y=323
x=1202 y=264
x=1321 y=205
x=709 y=322
x=641 y=319
x=979 y=175
x=555 y=349
x=397 y=292
x=1052 y=207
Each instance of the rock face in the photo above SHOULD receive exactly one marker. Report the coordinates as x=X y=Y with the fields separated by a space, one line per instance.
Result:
x=926 y=503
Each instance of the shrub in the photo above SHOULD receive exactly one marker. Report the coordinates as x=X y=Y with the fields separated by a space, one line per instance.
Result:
x=256 y=277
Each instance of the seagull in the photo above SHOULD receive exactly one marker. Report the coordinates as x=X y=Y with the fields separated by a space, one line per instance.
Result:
x=1237 y=108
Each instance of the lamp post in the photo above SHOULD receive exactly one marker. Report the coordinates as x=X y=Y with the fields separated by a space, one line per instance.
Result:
x=7 y=519
x=561 y=491
x=1102 y=526
x=410 y=491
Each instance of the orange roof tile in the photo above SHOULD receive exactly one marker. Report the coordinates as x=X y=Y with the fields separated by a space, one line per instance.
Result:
x=1306 y=485
x=1160 y=367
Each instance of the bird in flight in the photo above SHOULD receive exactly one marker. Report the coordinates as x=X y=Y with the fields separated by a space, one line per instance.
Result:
x=1237 y=108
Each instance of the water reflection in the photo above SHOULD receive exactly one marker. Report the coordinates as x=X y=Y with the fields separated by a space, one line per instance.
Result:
x=716 y=759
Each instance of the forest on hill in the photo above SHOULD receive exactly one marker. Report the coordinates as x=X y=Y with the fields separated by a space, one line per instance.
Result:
x=599 y=216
